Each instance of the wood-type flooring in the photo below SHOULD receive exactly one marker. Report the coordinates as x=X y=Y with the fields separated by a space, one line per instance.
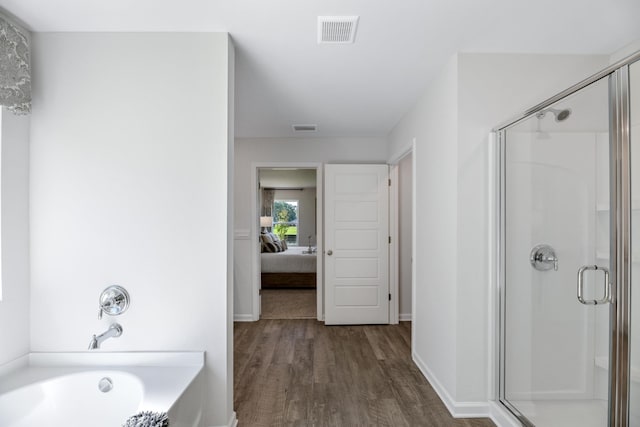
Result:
x=303 y=373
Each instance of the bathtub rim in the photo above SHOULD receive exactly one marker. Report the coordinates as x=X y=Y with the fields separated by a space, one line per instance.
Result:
x=104 y=359
x=162 y=397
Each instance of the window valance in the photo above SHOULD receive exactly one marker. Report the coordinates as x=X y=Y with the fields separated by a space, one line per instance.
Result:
x=15 y=67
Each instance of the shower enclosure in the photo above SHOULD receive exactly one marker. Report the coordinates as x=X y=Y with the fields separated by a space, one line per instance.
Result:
x=570 y=255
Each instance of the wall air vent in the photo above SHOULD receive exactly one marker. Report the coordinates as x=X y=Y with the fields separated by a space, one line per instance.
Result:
x=337 y=29
x=305 y=128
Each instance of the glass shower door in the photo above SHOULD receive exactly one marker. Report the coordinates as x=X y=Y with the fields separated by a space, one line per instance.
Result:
x=634 y=365
x=555 y=292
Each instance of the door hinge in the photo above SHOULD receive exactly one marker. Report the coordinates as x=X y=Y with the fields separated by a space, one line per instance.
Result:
x=389 y=239
x=389 y=182
x=389 y=297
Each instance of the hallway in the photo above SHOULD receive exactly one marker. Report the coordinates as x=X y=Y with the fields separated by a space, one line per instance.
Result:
x=302 y=373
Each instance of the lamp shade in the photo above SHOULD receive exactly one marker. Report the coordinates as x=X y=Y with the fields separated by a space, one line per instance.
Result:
x=266 y=221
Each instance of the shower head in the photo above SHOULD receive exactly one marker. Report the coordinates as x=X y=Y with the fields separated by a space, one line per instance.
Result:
x=560 y=115
x=563 y=115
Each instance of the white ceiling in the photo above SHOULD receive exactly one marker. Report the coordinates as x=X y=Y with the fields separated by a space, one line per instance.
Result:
x=284 y=77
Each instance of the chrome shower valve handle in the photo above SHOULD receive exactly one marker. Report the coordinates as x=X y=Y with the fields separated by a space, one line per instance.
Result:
x=114 y=300
x=543 y=258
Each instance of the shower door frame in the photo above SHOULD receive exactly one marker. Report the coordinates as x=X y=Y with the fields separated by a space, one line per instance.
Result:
x=620 y=235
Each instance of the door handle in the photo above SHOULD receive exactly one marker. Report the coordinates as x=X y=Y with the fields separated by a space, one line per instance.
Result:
x=329 y=252
x=607 y=286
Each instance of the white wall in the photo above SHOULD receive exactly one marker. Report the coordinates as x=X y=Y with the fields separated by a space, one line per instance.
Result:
x=451 y=123
x=625 y=51
x=14 y=307
x=433 y=124
x=405 y=203
x=129 y=175
x=287 y=178
x=227 y=359
x=292 y=150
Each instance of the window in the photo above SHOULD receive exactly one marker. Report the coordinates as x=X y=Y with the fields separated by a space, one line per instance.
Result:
x=285 y=220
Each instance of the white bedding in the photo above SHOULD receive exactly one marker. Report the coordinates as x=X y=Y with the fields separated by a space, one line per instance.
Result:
x=290 y=261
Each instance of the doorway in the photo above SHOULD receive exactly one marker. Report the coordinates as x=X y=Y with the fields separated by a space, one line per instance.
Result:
x=288 y=220
x=258 y=210
x=402 y=226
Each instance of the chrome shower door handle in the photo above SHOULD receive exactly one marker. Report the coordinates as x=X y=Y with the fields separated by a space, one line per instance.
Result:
x=607 y=286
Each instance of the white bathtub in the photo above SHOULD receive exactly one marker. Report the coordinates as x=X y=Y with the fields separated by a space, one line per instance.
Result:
x=61 y=389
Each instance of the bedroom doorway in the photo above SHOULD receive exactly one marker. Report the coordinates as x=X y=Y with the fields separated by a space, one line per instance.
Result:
x=288 y=222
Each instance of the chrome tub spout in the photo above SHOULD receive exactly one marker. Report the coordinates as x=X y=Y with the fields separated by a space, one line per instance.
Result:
x=115 y=330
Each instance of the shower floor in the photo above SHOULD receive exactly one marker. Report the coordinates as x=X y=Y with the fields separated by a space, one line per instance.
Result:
x=564 y=413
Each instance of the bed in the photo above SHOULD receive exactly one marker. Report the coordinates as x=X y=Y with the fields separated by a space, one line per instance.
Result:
x=289 y=269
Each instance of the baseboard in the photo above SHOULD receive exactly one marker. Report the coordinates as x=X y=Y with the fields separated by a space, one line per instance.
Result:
x=406 y=317
x=502 y=417
x=456 y=409
x=243 y=318
x=233 y=420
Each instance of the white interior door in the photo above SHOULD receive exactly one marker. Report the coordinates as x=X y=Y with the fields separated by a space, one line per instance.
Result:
x=357 y=244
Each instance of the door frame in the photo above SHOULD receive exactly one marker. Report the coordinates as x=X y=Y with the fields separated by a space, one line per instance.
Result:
x=255 y=232
x=394 y=232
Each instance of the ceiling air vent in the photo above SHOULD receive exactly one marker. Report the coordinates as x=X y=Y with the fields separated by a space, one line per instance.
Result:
x=337 y=29
x=305 y=128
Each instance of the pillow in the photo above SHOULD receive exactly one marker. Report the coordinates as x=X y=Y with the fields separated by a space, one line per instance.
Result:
x=266 y=238
x=269 y=247
x=274 y=237
x=283 y=243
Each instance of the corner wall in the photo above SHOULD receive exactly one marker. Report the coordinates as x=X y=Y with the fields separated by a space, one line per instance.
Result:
x=14 y=307
x=433 y=124
x=451 y=123
x=129 y=174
